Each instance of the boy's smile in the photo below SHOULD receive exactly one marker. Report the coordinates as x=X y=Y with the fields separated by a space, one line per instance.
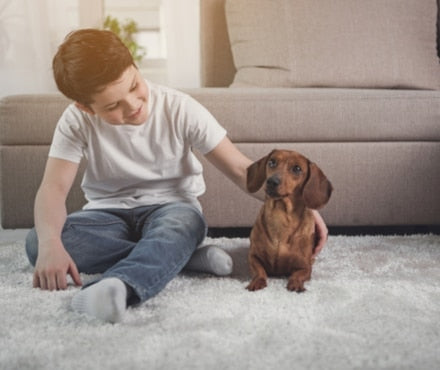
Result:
x=122 y=102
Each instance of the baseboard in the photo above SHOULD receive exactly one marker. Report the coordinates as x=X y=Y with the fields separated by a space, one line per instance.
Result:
x=243 y=232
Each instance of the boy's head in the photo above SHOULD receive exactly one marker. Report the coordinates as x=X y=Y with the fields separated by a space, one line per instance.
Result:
x=87 y=61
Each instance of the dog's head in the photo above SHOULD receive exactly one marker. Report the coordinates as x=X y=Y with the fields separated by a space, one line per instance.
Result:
x=287 y=173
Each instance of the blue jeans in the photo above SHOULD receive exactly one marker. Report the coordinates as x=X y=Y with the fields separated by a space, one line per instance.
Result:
x=145 y=247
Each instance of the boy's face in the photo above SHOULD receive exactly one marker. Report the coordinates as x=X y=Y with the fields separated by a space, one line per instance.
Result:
x=122 y=102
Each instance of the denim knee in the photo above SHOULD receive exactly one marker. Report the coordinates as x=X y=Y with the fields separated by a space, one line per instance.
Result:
x=183 y=218
x=31 y=246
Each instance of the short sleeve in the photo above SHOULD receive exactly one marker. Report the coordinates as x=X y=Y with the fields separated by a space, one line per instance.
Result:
x=203 y=130
x=69 y=141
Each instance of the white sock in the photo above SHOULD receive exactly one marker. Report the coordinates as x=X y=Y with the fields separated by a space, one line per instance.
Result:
x=105 y=300
x=210 y=259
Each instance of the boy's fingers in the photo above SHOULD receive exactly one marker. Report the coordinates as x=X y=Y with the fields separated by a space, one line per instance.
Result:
x=61 y=281
x=75 y=274
x=318 y=249
x=52 y=282
x=36 y=281
x=43 y=282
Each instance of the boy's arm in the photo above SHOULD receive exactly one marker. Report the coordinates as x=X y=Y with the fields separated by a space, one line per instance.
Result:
x=228 y=159
x=233 y=163
x=53 y=262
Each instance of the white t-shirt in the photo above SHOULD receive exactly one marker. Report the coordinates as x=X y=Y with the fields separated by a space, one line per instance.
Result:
x=153 y=163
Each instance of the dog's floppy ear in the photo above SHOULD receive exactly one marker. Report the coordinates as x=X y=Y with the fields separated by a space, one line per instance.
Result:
x=317 y=189
x=256 y=174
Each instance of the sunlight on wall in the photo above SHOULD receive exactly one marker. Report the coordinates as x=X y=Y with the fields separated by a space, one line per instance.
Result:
x=182 y=31
x=31 y=30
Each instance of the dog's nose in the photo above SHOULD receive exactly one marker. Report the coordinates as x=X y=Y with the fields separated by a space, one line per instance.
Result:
x=273 y=181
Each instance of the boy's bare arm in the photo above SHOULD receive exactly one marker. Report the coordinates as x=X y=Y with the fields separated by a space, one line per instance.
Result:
x=229 y=160
x=53 y=262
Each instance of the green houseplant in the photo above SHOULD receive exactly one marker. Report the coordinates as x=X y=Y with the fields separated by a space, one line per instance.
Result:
x=125 y=32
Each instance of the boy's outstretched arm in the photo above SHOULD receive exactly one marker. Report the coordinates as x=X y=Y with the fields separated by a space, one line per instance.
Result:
x=321 y=233
x=229 y=160
x=53 y=262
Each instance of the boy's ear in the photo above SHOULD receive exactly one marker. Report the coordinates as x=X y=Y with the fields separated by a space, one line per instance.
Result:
x=84 y=108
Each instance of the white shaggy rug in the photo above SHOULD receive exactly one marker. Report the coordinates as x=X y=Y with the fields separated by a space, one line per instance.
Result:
x=372 y=303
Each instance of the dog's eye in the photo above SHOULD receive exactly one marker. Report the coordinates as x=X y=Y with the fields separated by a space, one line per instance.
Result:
x=296 y=170
x=272 y=163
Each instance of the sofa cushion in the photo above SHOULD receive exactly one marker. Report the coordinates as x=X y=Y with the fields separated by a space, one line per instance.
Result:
x=30 y=119
x=338 y=43
x=261 y=115
x=297 y=115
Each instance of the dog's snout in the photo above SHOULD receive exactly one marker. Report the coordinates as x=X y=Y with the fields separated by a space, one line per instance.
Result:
x=273 y=182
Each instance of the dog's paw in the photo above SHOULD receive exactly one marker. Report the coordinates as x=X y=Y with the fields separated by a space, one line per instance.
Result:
x=257 y=284
x=295 y=285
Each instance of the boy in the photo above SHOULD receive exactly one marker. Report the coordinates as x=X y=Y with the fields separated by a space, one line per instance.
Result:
x=142 y=222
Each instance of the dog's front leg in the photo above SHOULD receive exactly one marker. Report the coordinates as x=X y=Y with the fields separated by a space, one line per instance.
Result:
x=259 y=275
x=297 y=279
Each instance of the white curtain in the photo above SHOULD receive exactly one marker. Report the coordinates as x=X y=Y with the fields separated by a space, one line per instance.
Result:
x=182 y=28
x=30 y=31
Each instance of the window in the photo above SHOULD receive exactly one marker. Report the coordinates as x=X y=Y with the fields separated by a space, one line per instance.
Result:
x=169 y=29
x=148 y=15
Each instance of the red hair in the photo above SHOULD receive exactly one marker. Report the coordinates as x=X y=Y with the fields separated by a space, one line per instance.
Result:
x=87 y=61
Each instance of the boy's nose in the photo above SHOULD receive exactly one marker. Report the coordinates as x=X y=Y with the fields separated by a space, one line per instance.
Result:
x=131 y=104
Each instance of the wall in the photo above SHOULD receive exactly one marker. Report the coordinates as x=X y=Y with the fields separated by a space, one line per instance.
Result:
x=31 y=30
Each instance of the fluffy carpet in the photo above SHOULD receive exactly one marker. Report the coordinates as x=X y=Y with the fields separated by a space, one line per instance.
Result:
x=372 y=303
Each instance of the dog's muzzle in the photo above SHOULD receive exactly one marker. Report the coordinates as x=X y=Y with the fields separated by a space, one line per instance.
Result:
x=272 y=184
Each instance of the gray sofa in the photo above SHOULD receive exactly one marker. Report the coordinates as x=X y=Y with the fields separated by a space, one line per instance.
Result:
x=380 y=147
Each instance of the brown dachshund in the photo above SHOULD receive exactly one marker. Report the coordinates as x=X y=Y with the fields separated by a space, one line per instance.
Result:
x=283 y=236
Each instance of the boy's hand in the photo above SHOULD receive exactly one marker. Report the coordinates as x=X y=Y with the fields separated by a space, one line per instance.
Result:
x=52 y=266
x=321 y=233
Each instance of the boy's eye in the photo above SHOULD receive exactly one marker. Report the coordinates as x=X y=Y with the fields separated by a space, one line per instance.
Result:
x=272 y=163
x=134 y=87
x=112 y=107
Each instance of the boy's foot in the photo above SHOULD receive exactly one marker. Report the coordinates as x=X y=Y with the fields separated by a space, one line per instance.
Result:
x=105 y=300
x=210 y=259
